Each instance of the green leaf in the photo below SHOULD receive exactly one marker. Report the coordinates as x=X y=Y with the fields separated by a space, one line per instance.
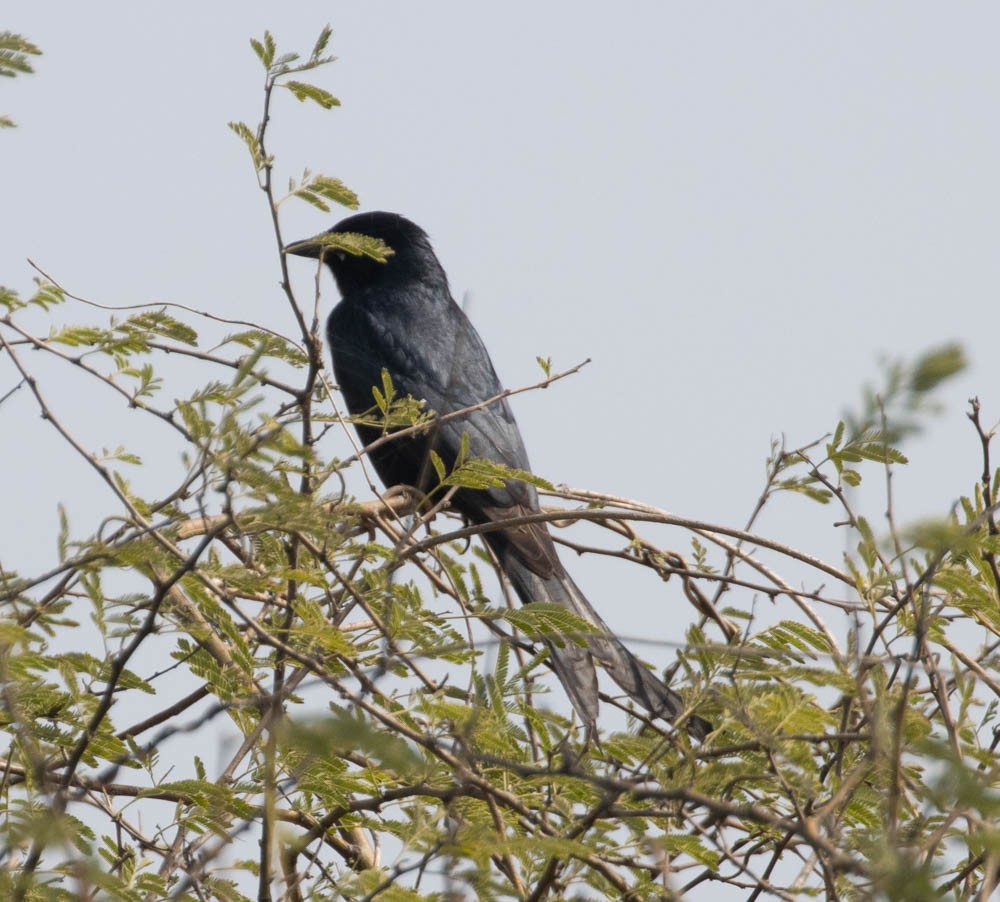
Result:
x=247 y=136
x=438 y=465
x=120 y=454
x=12 y=634
x=940 y=535
x=481 y=473
x=205 y=794
x=318 y=630
x=264 y=49
x=867 y=547
x=283 y=63
x=14 y=53
x=546 y=620
x=880 y=453
x=47 y=294
x=851 y=477
x=9 y=299
x=936 y=366
x=838 y=435
x=159 y=322
x=303 y=92
x=77 y=336
x=691 y=846
x=350 y=729
x=355 y=244
x=270 y=345
x=319 y=189
x=321 y=43
x=388 y=387
x=791 y=634
x=805 y=485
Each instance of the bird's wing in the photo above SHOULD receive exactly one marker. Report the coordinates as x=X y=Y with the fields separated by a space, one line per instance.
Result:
x=450 y=370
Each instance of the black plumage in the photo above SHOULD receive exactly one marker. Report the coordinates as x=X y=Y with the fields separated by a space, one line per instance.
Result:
x=399 y=315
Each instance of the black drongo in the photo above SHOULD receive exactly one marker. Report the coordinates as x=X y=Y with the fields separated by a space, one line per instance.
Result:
x=399 y=315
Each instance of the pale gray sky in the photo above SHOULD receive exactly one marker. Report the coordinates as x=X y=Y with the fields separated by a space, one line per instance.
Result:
x=732 y=208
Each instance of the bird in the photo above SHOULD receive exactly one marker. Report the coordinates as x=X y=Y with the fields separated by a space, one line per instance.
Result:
x=398 y=315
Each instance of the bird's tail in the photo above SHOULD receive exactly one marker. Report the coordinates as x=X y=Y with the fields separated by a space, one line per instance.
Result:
x=574 y=664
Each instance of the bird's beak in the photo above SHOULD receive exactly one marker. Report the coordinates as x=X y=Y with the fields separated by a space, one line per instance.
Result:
x=310 y=247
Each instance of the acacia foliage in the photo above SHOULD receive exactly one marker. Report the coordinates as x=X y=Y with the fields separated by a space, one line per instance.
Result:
x=16 y=52
x=847 y=762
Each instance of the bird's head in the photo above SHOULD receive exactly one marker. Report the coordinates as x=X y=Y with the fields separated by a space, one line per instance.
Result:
x=409 y=256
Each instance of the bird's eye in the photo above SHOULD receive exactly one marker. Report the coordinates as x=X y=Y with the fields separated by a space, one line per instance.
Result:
x=340 y=255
